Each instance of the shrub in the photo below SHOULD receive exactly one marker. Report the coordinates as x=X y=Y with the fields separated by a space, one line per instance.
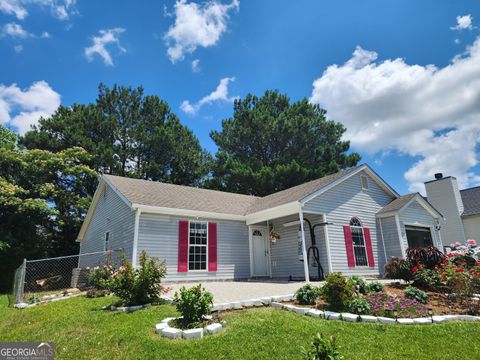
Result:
x=382 y=304
x=336 y=292
x=412 y=292
x=429 y=256
x=426 y=278
x=139 y=286
x=359 y=285
x=101 y=276
x=398 y=269
x=359 y=306
x=374 y=287
x=307 y=294
x=322 y=348
x=193 y=303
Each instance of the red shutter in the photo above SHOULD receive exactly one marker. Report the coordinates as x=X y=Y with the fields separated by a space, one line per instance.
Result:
x=182 y=246
x=349 y=246
x=368 y=246
x=212 y=246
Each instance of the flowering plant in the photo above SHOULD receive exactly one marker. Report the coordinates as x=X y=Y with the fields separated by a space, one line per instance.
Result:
x=382 y=304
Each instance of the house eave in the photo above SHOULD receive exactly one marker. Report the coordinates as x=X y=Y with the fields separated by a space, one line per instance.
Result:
x=187 y=213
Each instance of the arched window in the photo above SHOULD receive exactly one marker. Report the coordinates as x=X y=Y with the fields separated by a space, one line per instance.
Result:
x=358 y=240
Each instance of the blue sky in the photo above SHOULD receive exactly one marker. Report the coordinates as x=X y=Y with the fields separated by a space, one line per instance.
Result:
x=403 y=76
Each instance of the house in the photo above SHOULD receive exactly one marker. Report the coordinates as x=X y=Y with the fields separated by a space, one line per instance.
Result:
x=351 y=221
x=461 y=209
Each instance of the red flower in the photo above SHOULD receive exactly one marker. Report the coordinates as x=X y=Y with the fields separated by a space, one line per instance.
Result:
x=459 y=269
x=442 y=270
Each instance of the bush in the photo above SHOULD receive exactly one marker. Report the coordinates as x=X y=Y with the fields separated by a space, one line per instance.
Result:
x=398 y=269
x=359 y=285
x=101 y=276
x=193 y=304
x=139 y=286
x=429 y=257
x=374 y=287
x=426 y=278
x=412 y=292
x=307 y=294
x=336 y=291
x=359 y=306
x=322 y=348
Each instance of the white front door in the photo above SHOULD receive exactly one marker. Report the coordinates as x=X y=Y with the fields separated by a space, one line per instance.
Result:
x=259 y=249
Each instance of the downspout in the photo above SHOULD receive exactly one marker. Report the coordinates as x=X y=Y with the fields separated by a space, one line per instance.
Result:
x=135 y=237
x=304 y=248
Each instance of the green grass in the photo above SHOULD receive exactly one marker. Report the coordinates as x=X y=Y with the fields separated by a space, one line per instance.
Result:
x=81 y=330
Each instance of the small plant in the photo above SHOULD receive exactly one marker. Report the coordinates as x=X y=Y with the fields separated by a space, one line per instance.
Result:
x=412 y=292
x=32 y=299
x=359 y=306
x=398 y=269
x=426 y=278
x=374 y=287
x=382 y=304
x=95 y=293
x=336 y=291
x=193 y=304
x=322 y=348
x=100 y=276
x=429 y=256
x=359 y=285
x=307 y=294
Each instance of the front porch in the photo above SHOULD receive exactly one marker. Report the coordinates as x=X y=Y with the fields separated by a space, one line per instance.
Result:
x=290 y=247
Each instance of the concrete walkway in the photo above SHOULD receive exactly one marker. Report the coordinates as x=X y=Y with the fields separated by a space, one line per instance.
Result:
x=228 y=291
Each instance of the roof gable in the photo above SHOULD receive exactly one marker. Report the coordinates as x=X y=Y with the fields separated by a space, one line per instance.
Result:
x=403 y=202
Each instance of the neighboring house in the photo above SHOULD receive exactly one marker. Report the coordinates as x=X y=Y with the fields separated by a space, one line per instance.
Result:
x=460 y=208
x=205 y=235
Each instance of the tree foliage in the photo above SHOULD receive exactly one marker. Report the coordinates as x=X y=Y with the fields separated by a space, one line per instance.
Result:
x=44 y=197
x=127 y=134
x=271 y=144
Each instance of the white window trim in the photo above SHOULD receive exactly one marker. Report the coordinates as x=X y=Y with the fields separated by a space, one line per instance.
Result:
x=206 y=253
x=426 y=226
x=359 y=246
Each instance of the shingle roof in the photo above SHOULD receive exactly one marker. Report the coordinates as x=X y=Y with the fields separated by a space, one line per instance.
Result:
x=397 y=204
x=153 y=193
x=471 y=201
x=298 y=192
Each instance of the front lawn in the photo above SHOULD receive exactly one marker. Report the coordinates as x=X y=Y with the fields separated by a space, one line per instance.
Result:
x=81 y=330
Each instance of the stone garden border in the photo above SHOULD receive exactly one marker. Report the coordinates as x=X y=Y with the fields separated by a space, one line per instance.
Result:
x=173 y=333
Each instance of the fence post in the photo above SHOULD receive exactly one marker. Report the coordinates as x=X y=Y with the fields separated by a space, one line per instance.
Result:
x=21 y=288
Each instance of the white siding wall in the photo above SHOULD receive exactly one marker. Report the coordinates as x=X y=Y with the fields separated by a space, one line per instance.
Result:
x=415 y=214
x=114 y=215
x=158 y=236
x=284 y=253
x=340 y=204
x=390 y=236
x=472 y=227
x=445 y=197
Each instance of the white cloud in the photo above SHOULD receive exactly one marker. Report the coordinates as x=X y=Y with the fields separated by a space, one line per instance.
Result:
x=197 y=25
x=422 y=111
x=13 y=7
x=61 y=9
x=219 y=94
x=196 y=65
x=23 y=108
x=14 y=30
x=45 y=35
x=18 y=48
x=100 y=43
x=463 y=22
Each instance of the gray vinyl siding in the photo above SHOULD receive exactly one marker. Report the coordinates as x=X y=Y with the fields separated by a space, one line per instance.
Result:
x=114 y=215
x=284 y=253
x=158 y=236
x=415 y=214
x=390 y=236
x=340 y=204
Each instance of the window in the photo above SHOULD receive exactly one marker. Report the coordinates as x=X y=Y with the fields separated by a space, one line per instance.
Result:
x=358 y=243
x=107 y=241
x=364 y=181
x=418 y=236
x=197 y=246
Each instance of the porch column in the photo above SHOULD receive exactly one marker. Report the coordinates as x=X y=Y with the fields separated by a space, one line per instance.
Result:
x=304 y=248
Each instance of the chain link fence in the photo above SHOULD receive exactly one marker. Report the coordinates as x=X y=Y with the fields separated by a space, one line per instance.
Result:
x=35 y=279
